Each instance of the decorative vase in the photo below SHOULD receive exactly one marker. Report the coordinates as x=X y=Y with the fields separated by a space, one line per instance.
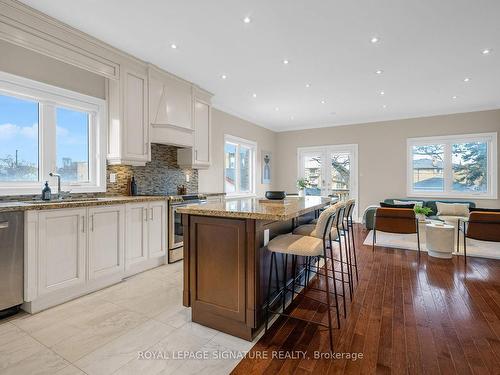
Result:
x=421 y=217
x=302 y=193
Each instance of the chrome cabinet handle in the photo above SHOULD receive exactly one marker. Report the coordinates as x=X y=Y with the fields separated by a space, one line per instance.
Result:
x=83 y=224
x=145 y=214
x=4 y=225
x=152 y=214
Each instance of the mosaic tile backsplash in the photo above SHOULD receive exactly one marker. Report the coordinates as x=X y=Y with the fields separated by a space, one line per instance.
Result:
x=161 y=175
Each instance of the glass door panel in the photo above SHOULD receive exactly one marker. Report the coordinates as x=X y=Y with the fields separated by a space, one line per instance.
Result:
x=313 y=171
x=340 y=175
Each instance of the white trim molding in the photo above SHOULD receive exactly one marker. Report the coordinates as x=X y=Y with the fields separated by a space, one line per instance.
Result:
x=252 y=145
x=447 y=166
x=48 y=98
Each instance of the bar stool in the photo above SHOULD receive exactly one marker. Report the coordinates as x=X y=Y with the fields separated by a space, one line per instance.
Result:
x=308 y=247
x=345 y=268
x=348 y=230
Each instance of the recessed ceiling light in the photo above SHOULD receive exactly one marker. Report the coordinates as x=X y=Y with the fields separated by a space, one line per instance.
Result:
x=374 y=39
x=247 y=19
x=223 y=76
x=486 y=51
x=292 y=118
x=454 y=97
x=323 y=101
x=277 y=109
x=384 y=106
x=382 y=92
x=308 y=85
x=285 y=61
x=173 y=46
x=254 y=95
x=466 y=79
x=380 y=71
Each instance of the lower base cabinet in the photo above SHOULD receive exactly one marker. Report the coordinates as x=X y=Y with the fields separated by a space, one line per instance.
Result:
x=71 y=252
x=106 y=241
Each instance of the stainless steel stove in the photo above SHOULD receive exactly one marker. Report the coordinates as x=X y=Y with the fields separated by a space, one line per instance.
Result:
x=175 y=230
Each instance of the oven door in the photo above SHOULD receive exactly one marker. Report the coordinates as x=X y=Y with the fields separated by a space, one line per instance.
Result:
x=176 y=233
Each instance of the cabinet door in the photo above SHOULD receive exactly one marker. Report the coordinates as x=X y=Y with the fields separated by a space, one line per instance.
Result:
x=201 y=132
x=136 y=246
x=157 y=229
x=106 y=240
x=135 y=116
x=61 y=249
x=178 y=102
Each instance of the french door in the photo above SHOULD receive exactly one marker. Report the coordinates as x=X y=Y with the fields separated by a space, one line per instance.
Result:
x=330 y=170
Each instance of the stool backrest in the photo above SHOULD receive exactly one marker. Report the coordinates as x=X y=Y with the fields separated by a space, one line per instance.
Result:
x=484 y=226
x=328 y=218
x=396 y=220
x=349 y=208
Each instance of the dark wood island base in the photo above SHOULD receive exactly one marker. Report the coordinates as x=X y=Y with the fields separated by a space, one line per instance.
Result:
x=226 y=262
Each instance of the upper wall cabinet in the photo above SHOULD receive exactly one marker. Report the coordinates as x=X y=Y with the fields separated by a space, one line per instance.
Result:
x=128 y=141
x=198 y=156
x=170 y=109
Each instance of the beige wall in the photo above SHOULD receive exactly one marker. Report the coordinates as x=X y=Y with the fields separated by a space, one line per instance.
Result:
x=211 y=180
x=381 y=148
x=26 y=63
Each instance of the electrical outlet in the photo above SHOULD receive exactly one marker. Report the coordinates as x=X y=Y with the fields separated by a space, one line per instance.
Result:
x=266 y=237
x=112 y=177
x=187 y=177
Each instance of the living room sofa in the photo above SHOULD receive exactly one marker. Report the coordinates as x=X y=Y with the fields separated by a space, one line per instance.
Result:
x=370 y=211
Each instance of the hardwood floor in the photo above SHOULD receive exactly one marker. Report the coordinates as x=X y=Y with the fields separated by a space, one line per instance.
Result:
x=432 y=316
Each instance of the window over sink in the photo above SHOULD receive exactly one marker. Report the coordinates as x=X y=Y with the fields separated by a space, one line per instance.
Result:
x=461 y=166
x=239 y=166
x=47 y=129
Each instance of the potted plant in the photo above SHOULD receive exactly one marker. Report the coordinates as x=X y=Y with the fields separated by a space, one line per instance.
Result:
x=302 y=184
x=421 y=212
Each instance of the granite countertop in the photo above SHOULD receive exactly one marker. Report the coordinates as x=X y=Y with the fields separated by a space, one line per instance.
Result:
x=26 y=205
x=252 y=208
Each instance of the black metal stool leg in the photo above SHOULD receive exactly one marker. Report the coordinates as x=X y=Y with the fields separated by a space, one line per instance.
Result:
x=354 y=251
x=341 y=275
x=285 y=266
x=327 y=282
x=294 y=272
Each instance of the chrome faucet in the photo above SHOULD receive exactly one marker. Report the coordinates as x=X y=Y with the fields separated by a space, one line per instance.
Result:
x=60 y=194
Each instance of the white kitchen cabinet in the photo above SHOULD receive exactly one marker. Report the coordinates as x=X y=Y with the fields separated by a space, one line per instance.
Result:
x=61 y=250
x=157 y=229
x=106 y=241
x=136 y=248
x=146 y=236
x=198 y=156
x=128 y=133
x=70 y=252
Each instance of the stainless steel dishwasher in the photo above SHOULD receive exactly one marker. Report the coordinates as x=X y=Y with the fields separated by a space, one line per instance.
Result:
x=11 y=262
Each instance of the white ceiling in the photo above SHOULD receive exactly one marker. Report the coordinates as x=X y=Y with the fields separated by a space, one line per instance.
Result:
x=426 y=49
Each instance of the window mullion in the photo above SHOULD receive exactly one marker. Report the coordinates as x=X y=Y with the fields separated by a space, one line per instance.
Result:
x=448 y=170
x=237 y=169
x=48 y=141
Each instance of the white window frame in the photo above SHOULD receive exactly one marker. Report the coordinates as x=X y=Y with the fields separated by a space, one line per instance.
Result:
x=253 y=147
x=448 y=141
x=49 y=98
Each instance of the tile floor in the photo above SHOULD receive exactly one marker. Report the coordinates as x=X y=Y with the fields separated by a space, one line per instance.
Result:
x=106 y=331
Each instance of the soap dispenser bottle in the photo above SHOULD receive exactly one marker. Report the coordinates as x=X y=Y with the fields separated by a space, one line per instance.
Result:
x=46 y=192
x=133 y=186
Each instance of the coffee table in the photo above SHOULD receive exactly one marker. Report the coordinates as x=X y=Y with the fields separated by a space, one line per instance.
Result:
x=440 y=240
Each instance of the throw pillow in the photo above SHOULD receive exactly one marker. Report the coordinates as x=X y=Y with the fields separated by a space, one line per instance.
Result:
x=387 y=205
x=452 y=209
x=415 y=203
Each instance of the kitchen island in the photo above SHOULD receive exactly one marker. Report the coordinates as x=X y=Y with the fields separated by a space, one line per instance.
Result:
x=226 y=262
